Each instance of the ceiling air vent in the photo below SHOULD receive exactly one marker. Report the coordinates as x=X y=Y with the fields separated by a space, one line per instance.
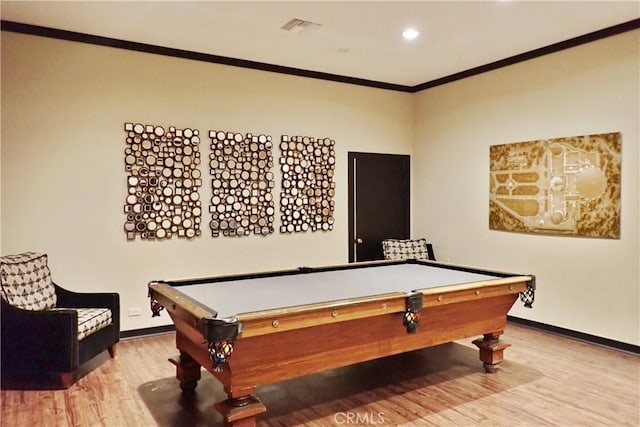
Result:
x=300 y=25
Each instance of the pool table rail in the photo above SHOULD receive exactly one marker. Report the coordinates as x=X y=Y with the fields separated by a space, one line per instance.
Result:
x=309 y=315
x=465 y=291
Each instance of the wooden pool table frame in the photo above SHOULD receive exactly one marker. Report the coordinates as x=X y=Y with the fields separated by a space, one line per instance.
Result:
x=274 y=345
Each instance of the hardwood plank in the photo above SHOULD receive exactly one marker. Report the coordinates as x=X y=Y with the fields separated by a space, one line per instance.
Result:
x=545 y=380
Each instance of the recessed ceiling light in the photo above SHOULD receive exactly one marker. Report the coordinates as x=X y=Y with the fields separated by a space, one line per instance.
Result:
x=410 y=33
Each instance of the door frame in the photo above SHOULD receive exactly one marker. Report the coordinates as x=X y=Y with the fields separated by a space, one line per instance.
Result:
x=351 y=170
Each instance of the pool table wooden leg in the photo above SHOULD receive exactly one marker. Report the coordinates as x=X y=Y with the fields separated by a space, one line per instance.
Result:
x=187 y=371
x=491 y=350
x=240 y=411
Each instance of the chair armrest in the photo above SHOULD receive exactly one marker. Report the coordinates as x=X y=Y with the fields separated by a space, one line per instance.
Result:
x=40 y=321
x=47 y=338
x=431 y=255
x=70 y=299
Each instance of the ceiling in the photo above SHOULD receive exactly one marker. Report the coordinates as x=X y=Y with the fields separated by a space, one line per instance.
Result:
x=356 y=39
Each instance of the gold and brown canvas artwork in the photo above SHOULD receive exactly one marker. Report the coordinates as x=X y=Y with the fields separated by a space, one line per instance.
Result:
x=566 y=186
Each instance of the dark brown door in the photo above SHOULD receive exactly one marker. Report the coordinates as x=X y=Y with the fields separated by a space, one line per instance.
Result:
x=379 y=202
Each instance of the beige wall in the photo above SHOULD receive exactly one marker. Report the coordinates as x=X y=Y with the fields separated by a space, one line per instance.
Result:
x=584 y=284
x=63 y=183
x=64 y=106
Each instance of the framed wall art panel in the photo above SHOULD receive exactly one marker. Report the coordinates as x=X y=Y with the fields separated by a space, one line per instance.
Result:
x=163 y=181
x=308 y=187
x=241 y=183
x=564 y=186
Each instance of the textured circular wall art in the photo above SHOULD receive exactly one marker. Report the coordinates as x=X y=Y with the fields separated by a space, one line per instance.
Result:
x=308 y=188
x=163 y=180
x=241 y=183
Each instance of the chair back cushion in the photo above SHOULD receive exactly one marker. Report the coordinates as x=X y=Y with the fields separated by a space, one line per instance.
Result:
x=405 y=249
x=25 y=281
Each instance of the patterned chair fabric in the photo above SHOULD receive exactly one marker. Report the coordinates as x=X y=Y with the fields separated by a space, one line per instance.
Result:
x=25 y=281
x=395 y=249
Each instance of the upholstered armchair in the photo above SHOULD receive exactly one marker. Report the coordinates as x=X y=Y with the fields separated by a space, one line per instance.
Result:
x=46 y=329
x=407 y=249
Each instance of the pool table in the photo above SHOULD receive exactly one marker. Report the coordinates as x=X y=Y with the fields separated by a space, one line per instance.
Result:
x=254 y=329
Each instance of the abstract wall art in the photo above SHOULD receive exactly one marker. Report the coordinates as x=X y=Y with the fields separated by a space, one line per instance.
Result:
x=163 y=180
x=565 y=186
x=241 y=183
x=308 y=187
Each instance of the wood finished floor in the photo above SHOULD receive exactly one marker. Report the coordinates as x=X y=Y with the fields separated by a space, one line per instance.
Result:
x=546 y=380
